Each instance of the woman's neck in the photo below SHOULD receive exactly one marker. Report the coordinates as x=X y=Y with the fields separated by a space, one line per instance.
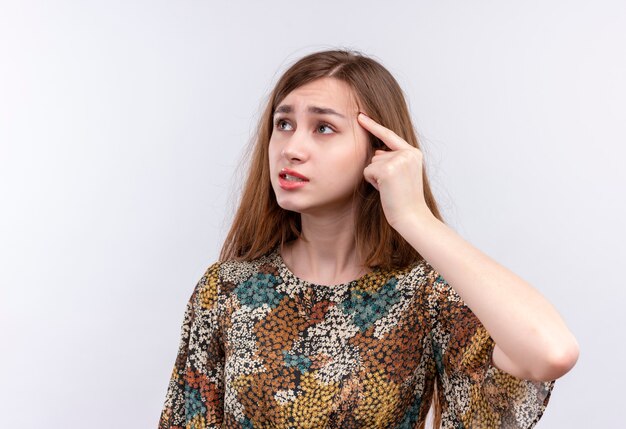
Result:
x=329 y=254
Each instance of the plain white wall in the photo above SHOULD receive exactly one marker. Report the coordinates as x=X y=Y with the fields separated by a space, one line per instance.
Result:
x=122 y=124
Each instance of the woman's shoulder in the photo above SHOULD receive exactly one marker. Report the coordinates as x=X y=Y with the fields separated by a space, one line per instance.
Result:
x=222 y=276
x=420 y=272
x=236 y=271
x=429 y=276
x=432 y=285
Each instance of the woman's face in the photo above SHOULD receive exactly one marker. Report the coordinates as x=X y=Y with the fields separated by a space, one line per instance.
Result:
x=316 y=135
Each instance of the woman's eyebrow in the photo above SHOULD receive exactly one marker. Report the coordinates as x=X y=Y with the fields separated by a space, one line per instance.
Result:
x=285 y=108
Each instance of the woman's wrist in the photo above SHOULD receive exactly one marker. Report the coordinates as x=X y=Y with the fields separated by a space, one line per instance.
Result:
x=413 y=222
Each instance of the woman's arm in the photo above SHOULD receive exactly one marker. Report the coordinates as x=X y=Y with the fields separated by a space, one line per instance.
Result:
x=532 y=341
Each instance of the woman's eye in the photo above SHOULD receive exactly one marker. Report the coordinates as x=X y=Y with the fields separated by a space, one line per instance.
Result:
x=324 y=126
x=279 y=122
x=321 y=128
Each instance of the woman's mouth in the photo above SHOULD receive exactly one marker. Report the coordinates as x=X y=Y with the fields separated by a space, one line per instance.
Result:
x=289 y=179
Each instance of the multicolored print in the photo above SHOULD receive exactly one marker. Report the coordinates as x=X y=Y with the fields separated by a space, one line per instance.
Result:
x=261 y=348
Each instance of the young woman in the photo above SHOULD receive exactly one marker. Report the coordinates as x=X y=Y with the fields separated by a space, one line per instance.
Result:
x=341 y=298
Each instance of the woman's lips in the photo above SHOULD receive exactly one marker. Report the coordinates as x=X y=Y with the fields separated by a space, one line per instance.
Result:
x=291 y=184
x=292 y=173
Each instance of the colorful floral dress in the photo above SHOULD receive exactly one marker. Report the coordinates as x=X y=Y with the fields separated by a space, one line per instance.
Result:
x=261 y=348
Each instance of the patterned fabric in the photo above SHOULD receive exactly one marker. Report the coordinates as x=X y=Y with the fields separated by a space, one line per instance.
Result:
x=261 y=348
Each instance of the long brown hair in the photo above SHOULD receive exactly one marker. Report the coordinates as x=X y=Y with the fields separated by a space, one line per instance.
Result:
x=260 y=223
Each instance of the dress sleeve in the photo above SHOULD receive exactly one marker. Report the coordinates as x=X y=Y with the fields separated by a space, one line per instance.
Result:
x=474 y=392
x=195 y=394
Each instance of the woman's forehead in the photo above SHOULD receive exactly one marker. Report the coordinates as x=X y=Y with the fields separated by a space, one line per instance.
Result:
x=323 y=93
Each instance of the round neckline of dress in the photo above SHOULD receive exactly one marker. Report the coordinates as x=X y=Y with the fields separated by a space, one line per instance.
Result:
x=286 y=271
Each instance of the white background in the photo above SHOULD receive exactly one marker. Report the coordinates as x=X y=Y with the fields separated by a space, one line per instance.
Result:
x=122 y=124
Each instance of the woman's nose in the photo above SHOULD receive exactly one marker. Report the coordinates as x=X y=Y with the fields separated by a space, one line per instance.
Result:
x=295 y=148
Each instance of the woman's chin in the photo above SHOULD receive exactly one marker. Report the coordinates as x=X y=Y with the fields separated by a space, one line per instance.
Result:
x=286 y=205
x=291 y=208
